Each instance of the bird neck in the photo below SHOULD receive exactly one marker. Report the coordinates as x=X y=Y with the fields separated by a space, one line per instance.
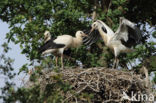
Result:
x=109 y=30
x=103 y=35
x=47 y=39
x=77 y=41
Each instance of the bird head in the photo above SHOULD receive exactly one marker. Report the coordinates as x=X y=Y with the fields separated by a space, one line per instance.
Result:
x=47 y=35
x=96 y=25
x=81 y=34
x=99 y=24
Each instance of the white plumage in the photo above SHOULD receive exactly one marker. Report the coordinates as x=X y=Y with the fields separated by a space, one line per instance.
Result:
x=126 y=36
x=61 y=43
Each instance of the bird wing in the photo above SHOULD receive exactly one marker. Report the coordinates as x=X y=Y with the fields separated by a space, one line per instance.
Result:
x=128 y=33
x=50 y=45
x=93 y=37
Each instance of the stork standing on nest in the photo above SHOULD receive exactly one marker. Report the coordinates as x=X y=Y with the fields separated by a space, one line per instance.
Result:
x=61 y=43
x=126 y=36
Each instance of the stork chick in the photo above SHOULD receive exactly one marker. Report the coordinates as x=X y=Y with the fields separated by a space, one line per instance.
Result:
x=61 y=43
x=126 y=36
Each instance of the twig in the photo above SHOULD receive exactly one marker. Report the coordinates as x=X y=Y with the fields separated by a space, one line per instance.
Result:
x=99 y=81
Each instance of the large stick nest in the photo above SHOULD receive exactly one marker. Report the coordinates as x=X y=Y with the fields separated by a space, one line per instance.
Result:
x=106 y=85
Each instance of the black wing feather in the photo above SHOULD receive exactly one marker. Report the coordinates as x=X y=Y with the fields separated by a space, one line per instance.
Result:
x=134 y=34
x=50 y=45
x=92 y=38
x=133 y=39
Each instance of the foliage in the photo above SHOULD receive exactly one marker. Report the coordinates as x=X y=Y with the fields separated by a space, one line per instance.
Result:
x=6 y=62
x=28 y=19
x=6 y=71
x=154 y=79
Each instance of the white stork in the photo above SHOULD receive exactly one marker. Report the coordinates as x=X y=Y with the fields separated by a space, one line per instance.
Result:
x=61 y=43
x=126 y=36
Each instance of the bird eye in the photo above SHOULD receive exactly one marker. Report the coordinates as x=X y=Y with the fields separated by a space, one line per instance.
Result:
x=94 y=25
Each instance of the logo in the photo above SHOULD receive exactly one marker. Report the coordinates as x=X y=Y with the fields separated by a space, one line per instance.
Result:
x=137 y=97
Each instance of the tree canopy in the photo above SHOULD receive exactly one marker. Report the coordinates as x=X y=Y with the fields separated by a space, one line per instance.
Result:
x=28 y=20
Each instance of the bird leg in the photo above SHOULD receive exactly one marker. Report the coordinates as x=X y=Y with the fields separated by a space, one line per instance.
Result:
x=117 y=62
x=56 y=61
x=114 y=63
x=62 y=61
